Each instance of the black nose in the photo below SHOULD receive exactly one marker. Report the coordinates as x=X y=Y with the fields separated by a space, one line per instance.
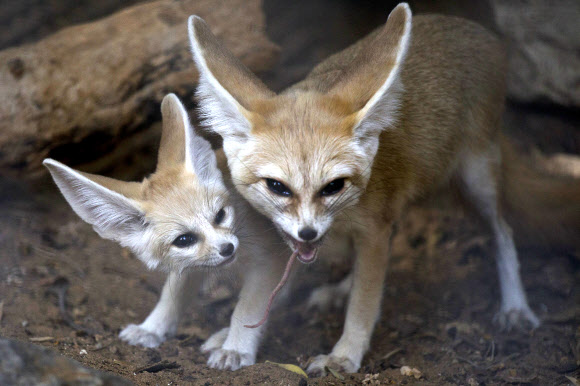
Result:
x=307 y=234
x=227 y=249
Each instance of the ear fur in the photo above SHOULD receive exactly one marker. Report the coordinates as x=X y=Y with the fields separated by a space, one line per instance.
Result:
x=173 y=149
x=102 y=202
x=180 y=145
x=373 y=84
x=227 y=89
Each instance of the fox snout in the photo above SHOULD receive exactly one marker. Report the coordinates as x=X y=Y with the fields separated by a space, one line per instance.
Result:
x=223 y=251
x=227 y=249
x=306 y=244
x=310 y=231
x=307 y=233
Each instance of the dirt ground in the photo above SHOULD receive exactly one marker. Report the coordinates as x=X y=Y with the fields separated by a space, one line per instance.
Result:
x=439 y=303
x=437 y=314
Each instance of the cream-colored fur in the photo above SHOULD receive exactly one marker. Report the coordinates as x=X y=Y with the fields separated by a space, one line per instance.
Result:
x=184 y=196
x=406 y=110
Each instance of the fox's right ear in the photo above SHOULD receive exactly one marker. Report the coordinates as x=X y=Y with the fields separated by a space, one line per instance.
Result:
x=227 y=90
x=102 y=202
x=371 y=82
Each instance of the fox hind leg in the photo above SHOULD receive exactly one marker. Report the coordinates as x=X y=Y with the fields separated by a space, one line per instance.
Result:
x=331 y=295
x=479 y=186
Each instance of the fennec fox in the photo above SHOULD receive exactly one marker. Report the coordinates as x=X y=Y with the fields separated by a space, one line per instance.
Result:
x=385 y=121
x=180 y=220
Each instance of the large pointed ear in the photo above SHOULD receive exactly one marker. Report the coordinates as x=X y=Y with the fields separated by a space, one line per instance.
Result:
x=103 y=202
x=227 y=90
x=371 y=82
x=173 y=149
x=180 y=145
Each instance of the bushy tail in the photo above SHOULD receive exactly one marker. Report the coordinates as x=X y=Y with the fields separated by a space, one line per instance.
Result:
x=542 y=208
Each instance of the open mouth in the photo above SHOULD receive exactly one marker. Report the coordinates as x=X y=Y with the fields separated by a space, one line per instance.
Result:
x=307 y=252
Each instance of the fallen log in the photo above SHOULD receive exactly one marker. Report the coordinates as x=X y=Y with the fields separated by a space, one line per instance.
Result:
x=94 y=84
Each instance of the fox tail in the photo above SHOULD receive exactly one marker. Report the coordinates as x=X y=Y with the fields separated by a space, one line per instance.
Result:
x=543 y=208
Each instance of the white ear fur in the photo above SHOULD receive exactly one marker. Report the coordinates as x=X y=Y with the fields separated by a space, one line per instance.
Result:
x=204 y=160
x=112 y=215
x=199 y=156
x=220 y=110
x=382 y=108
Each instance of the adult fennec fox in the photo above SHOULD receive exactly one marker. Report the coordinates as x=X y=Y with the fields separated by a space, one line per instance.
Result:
x=411 y=107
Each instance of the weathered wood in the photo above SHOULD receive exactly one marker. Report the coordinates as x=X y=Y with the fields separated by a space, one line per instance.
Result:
x=98 y=82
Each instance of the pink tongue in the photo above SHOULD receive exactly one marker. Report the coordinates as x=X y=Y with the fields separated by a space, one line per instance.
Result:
x=306 y=256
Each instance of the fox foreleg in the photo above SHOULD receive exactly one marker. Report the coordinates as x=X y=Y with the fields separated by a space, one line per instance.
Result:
x=363 y=306
x=162 y=321
x=235 y=347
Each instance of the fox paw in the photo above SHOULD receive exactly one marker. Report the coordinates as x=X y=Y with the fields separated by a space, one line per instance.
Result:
x=137 y=336
x=222 y=359
x=229 y=360
x=517 y=318
x=317 y=367
x=216 y=341
x=326 y=297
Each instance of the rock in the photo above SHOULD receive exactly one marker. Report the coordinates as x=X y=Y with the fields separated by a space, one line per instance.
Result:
x=28 y=364
x=543 y=48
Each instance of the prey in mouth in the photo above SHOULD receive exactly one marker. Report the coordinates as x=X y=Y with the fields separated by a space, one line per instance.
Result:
x=306 y=251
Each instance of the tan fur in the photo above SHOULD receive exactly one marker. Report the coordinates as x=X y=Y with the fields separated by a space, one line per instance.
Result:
x=397 y=118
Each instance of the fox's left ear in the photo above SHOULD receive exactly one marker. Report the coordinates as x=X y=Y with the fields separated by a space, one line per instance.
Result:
x=227 y=90
x=109 y=205
x=371 y=84
x=180 y=145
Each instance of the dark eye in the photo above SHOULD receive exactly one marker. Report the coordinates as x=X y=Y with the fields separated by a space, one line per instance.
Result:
x=185 y=240
x=333 y=187
x=278 y=188
x=219 y=217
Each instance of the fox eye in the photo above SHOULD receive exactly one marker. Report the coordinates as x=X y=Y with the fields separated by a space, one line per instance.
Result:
x=185 y=240
x=333 y=187
x=278 y=188
x=219 y=217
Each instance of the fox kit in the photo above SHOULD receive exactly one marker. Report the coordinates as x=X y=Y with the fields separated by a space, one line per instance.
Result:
x=411 y=107
x=179 y=220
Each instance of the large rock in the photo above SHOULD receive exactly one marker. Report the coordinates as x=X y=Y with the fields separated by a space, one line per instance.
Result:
x=102 y=81
x=544 y=49
x=26 y=364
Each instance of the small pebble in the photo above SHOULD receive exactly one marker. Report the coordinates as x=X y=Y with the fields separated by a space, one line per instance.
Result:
x=411 y=372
